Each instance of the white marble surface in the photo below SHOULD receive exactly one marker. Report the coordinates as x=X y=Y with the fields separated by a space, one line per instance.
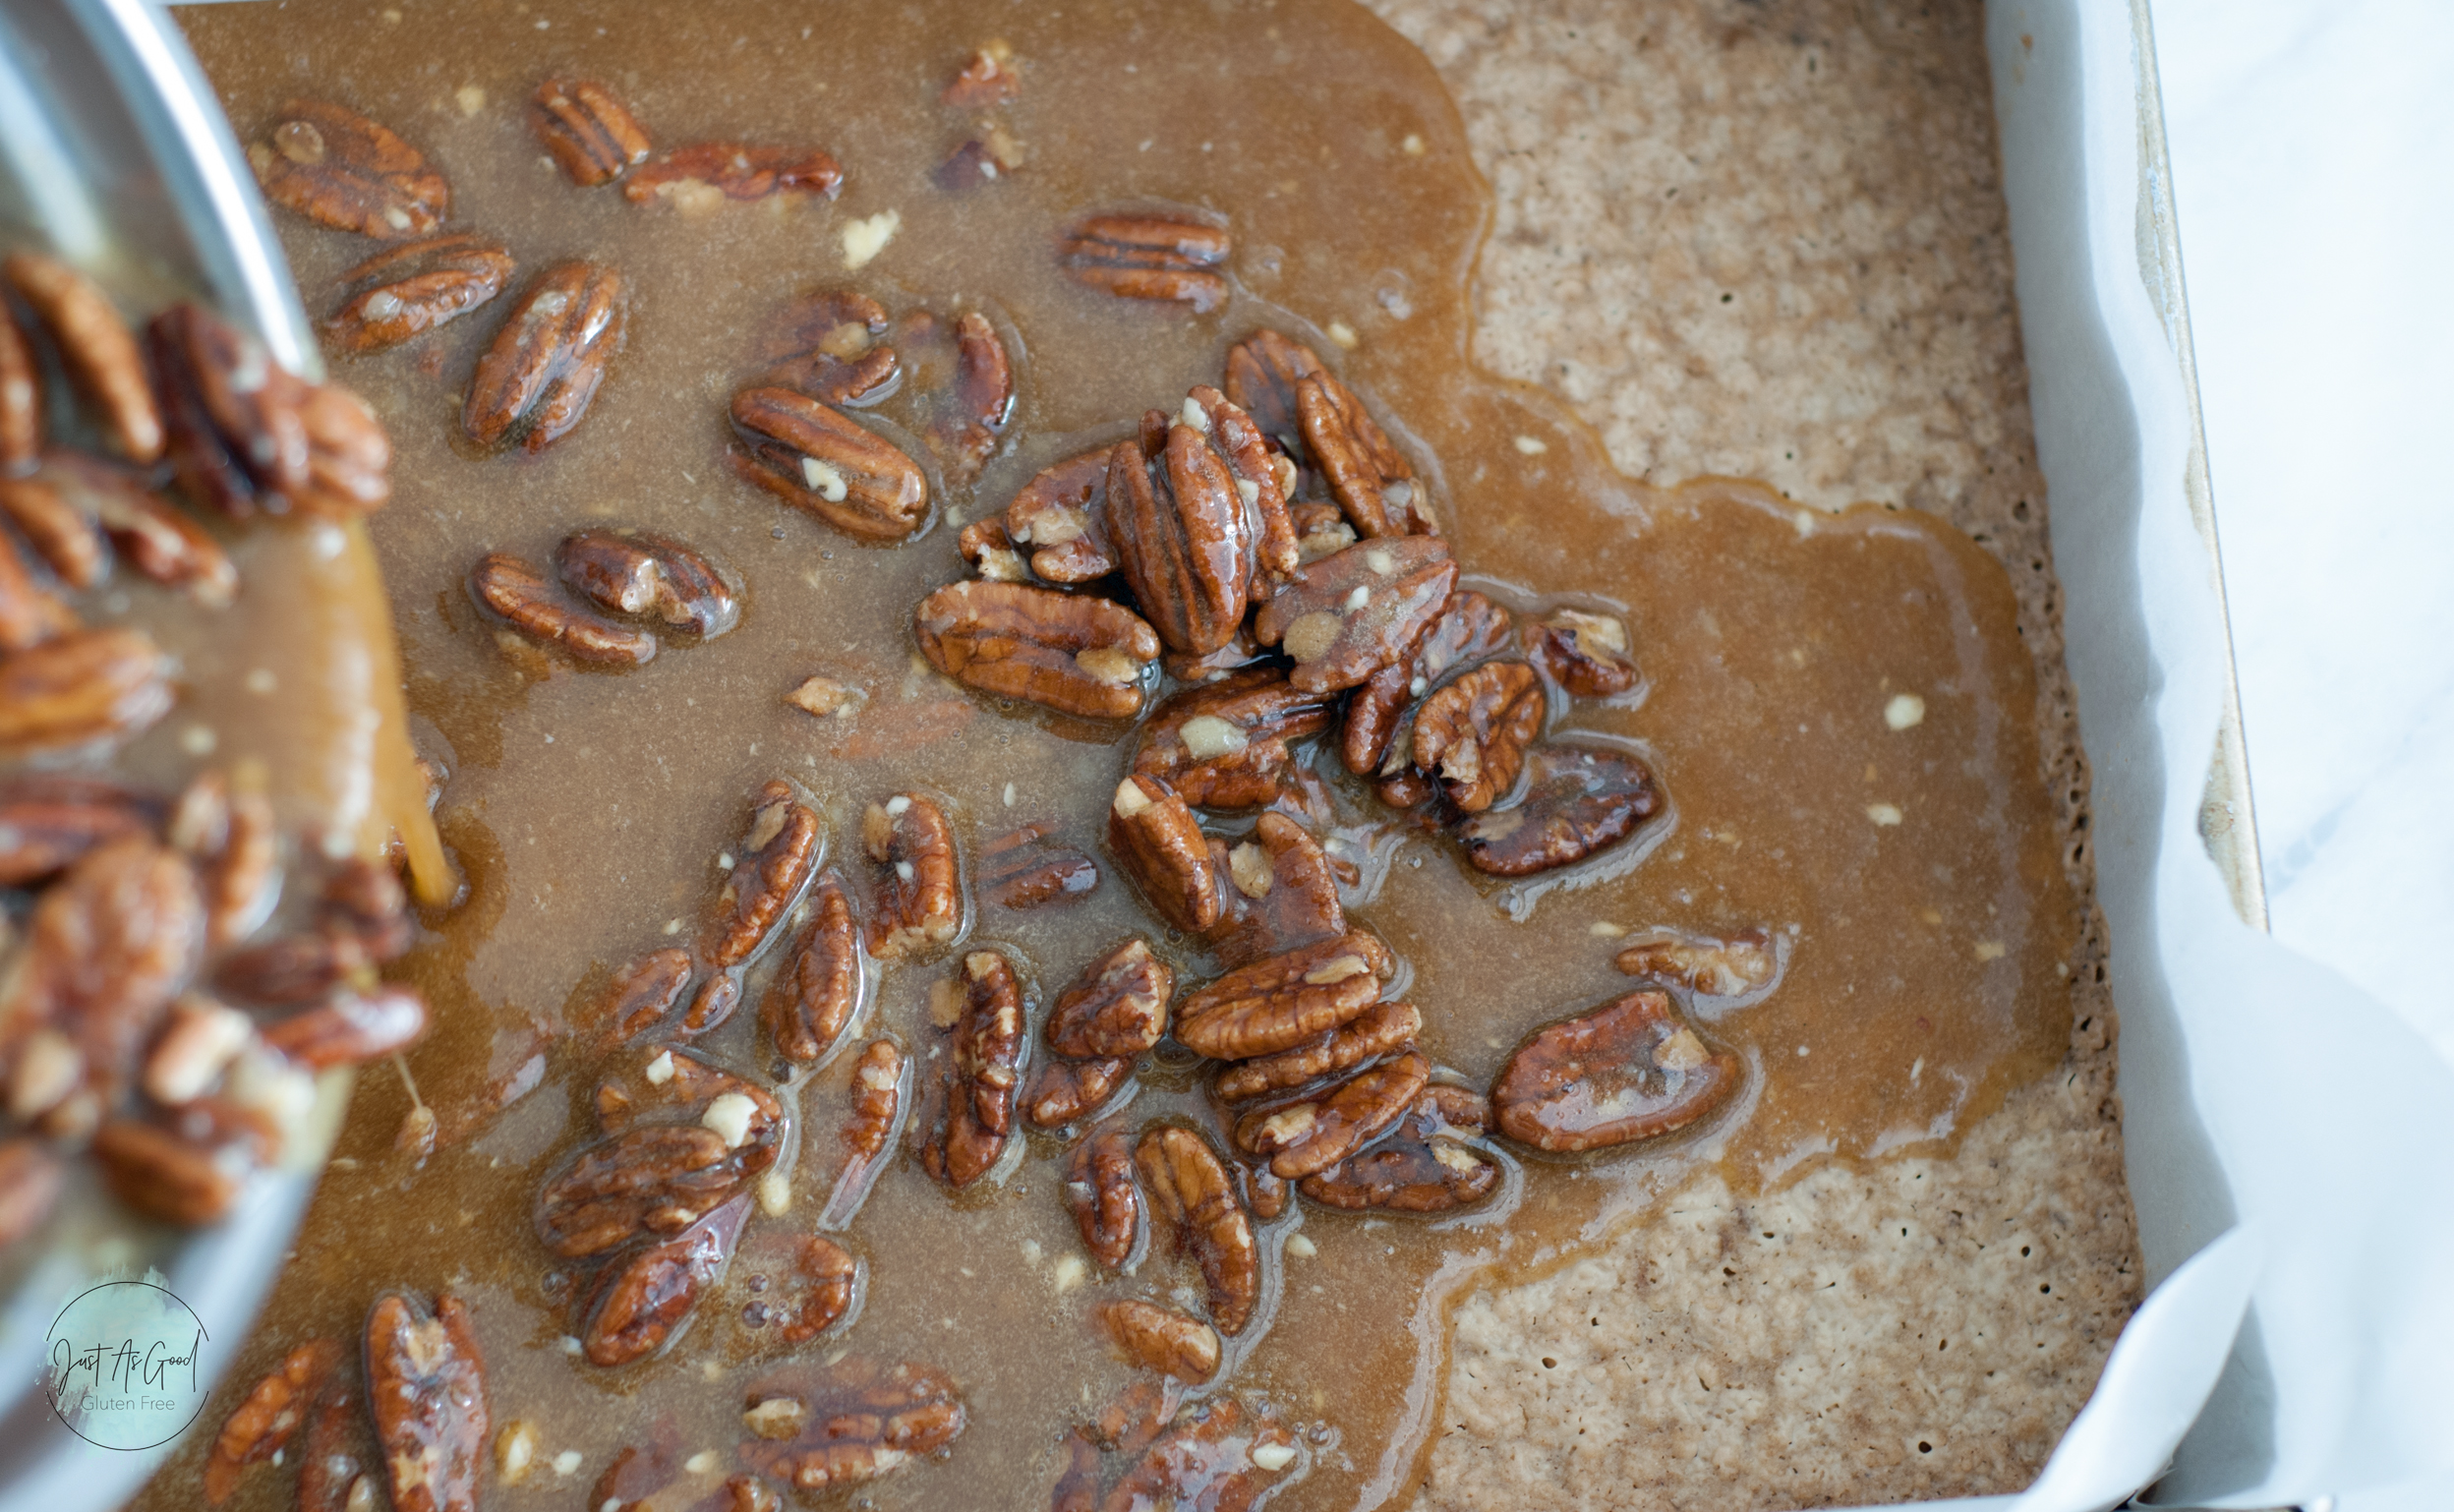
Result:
x=2312 y=151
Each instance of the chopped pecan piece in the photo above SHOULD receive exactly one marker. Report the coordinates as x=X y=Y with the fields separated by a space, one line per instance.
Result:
x=700 y=177
x=1184 y=537
x=1314 y=1132
x=826 y=345
x=1264 y=1192
x=1369 y=478
x=1421 y=1166
x=1024 y=870
x=1358 y=611
x=1287 y=999
x=989 y=551
x=1285 y=894
x=231 y=837
x=640 y=994
x=804 y=1285
x=777 y=852
x=651 y=1178
x=94 y=346
x=1224 y=744
x=1100 y=1193
x=1263 y=371
x=645 y=1301
x=920 y=890
x=1162 y=1339
x=1585 y=654
x=877 y=1098
x=46 y=822
x=1078 y=655
x=1238 y=654
x=537 y=378
x=813 y=456
x=337 y=167
x=864 y=1418
x=655 y=577
x=1381 y=1030
x=1580 y=800
x=351 y=1028
x=1630 y=1069
x=29 y=1188
x=1192 y=1199
x=528 y=603
x=1064 y=1091
x=1716 y=968
x=262 y=1424
x=963 y=429
x=30 y=613
x=813 y=999
x=668 y=1083
x=20 y=396
x=1154 y=834
x=425 y=1386
x=1320 y=530
x=1211 y=1459
x=406 y=291
x=248 y=438
x=108 y=946
x=589 y=133
x=1470 y=629
x=1061 y=514
x=984 y=1073
x=60 y=533
x=1473 y=732
x=988 y=79
x=1117 y=1005
x=1147 y=257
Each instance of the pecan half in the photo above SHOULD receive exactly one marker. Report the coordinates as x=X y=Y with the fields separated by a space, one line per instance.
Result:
x=30 y=613
x=1192 y=1199
x=60 y=533
x=1063 y=1091
x=864 y=1420
x=161 y=541
x=1210 y=1458
x=425 y=1386
x=1580 y=800
x=1224 y=744
x=248 y=438
x=1154 y=834
x=1473 y=732
x=651 y=1178
x=20 y=396
x=197 y=1042
x=638 y=995
x=1284 y=895
x=777 y=853
x=1239 y=653
x=645 y=1301
x=920 y=899
x=1117 y=1005
x=529 y=604
x=332 y=1463
x=652 y=575
x=1287 y=999
x=537 y=378
x=966 y=423
x=1357 y=610
x=406 y=291
x=589 y=133
x=351 y=1028
x=1162 y=1339
x=1381 y=1030
x=1585 y=654
x=337 y=167
x=1716 y=968
x=1470 y=628
x=1367 y=474
x=877 y=1098
x=1061 y=514
x=703 y=175
x=108 y=946
x=983 y=1071
x=814 y=456
x=1024 y=870
x=261 y=1425
x=1100 y=1193
x=1078 y=656
x=169 y=1175
x=1148 y=257
x=94 y=346
x=1263 y=371
x=1238 y=440
x=1630 y=1069
x=46 y=822
x=1184 y=537
x=811 y=1001
x=826 y=345
x=31 y=1178
x=1421 y=1166
x=1313 y=1132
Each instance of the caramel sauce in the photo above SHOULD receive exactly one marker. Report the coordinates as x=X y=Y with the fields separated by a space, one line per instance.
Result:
x=1911 y=875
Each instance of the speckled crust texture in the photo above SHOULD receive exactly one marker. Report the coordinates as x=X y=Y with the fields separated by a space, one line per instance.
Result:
x=1769 y=239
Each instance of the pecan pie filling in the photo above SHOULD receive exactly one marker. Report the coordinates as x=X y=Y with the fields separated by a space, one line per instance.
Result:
x=1072 y=825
